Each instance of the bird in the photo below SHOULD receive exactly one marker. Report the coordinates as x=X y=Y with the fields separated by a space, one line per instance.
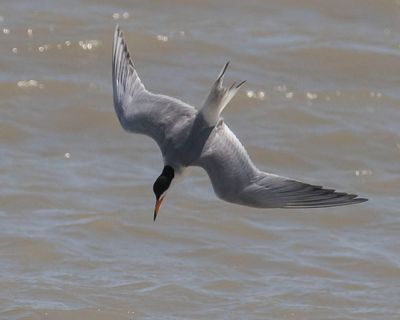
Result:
x=189 y=136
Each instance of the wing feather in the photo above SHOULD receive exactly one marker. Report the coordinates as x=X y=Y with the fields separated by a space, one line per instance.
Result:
x=139 y=110
x=235 y=179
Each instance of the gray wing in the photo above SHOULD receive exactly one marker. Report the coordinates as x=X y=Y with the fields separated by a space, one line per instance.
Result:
x=235 y=179
x=139 y=110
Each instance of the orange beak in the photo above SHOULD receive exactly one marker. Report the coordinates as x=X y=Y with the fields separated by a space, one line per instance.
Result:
x=157 y=206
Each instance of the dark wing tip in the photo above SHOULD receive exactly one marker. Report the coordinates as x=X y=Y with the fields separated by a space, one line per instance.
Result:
x=311 y=196
x=120 y=48
x=338 y=200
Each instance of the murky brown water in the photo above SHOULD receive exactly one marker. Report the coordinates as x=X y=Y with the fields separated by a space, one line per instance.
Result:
x=321 y=104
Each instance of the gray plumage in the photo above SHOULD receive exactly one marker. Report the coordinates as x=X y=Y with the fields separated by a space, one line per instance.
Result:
x=188 y=137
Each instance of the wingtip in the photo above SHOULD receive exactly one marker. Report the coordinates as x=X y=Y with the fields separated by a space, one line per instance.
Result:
x=117 y=31
x=117 y=35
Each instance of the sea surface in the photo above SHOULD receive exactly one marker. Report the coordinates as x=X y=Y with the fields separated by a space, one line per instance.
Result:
x=321 y=104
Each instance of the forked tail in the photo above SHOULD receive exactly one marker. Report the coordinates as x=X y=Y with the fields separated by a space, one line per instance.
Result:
x=218 y=98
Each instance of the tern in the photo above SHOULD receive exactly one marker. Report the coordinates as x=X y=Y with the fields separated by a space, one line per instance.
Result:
x=199 y=137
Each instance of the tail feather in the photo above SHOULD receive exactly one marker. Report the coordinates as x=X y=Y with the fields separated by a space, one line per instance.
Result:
x=219 y=97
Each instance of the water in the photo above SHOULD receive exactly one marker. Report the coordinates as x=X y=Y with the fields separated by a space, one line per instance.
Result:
x=321 y=104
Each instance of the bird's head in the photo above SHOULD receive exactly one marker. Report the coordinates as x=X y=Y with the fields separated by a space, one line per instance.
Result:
x=161 y=186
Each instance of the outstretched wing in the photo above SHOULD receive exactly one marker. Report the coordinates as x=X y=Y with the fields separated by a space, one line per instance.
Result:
x=235 y=179
x=139 y=110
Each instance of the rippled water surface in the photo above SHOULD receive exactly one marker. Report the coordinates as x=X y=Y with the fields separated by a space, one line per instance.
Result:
x=321 y=104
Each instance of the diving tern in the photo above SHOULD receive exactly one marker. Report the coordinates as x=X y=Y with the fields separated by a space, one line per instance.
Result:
x=191 y=137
